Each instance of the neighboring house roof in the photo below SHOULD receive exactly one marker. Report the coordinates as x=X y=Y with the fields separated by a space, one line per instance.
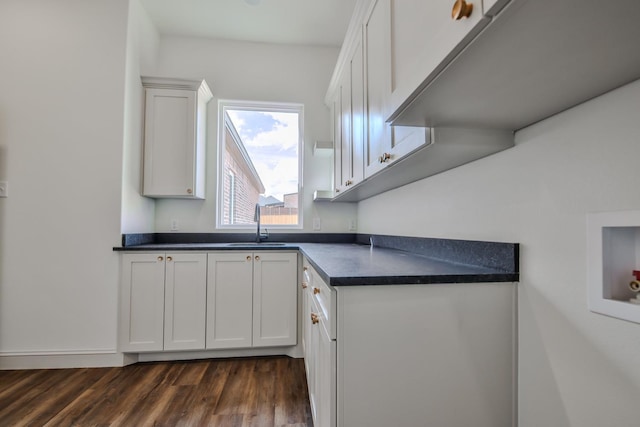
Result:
x=243 y=155
x=269 y=201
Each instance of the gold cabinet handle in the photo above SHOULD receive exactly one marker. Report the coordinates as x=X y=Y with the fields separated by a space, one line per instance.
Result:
x=314 y=318
x=304 y=268
x=304 y=285
x=169 y=258
x=384 y=158
x=160 y=258
x=248 y=257
x=461 y=9
x=257 y=258
x=189 y=191
x=316 y=291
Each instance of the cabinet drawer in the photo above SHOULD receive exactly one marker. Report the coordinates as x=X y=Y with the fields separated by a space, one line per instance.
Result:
x=324 y=297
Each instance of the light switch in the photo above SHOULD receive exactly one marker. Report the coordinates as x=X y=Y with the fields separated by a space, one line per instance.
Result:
x=317 y=225
x=4 y=189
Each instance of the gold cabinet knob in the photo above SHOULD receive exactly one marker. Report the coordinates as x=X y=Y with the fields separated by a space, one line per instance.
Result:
x=384 y=158
x=304 y=285
x=189 y=191
x=248 y=257
x=316 y=291
x=257 y=258
x=160 y=258
x=169 y=258
x=314 y=318
x=304 y=268
x=461 y=9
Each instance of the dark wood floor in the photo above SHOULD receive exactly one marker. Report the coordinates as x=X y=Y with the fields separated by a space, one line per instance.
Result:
x=268 y=391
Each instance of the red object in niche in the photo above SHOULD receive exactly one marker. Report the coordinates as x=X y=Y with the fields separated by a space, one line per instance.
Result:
x=636 y=274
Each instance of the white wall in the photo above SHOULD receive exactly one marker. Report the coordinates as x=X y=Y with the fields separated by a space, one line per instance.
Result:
x=61 y=127
x=143 y=40
x=576 y=368
x=256 y=72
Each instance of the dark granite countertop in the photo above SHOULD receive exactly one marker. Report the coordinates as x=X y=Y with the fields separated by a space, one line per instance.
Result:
x=234 y=246
x=346 y=260
x=353 y=264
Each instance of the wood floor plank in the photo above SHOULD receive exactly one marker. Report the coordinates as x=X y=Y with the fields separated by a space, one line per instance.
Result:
x=243 y=392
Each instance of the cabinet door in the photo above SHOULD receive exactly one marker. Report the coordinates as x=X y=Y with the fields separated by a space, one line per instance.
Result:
x=345 y=96
x=229 y=300
x=424 y=38
x=377 y=83
x=357 y=113
x=275 y=299
x=337 y=141
x=325 y=378
x=185 y=301
x=384 y=144
x=306 y=322
x=311 y=348
x=142 y=302
x=170 y=143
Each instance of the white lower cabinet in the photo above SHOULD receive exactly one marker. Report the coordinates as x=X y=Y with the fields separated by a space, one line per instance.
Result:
x=192 y=301
x=411 y=355
x=320 y=348
x=251 y=299
x=162 y=303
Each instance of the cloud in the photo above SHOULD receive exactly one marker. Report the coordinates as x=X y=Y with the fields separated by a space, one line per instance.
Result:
x=272 y=141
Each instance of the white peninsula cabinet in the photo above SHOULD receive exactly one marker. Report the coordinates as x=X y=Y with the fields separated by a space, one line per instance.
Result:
x=174 y=137
x=251 y=299
x=162 y=301
x=410 y=355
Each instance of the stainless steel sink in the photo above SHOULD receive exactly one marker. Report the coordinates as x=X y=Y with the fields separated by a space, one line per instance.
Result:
x=256 y=244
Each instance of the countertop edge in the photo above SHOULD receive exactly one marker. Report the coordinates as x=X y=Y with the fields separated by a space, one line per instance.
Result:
x=507 y=251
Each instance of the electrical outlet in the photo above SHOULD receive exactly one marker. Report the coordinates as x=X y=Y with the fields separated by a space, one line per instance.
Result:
x=4 y=189
x=317 y=225
x=174 y=225
x=352 y=225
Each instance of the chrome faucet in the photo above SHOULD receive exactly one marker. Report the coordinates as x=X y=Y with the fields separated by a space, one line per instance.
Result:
x=256 y=218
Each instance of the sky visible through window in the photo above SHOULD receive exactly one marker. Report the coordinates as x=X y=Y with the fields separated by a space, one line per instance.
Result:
x=271 y=139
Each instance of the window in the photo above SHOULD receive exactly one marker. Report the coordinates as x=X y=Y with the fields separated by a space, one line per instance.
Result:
x=259 y=162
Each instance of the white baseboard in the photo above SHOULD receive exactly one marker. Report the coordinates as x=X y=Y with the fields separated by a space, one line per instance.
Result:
x=64 y=359
x=294 y=352
x=111 y=358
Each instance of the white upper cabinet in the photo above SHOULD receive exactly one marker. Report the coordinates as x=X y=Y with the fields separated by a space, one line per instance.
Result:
x=424 y=37
x=336 y=111
x=531 y=60
x=357 y=112
x=175 y=137
x=384 y=144
x=349 y=120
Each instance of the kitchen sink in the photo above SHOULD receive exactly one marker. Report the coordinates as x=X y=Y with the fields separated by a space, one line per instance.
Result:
x=256 y=244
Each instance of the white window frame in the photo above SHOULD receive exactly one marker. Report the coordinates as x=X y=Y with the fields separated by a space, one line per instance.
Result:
x=226 y=104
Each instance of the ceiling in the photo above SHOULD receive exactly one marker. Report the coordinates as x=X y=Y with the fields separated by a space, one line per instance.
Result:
x=302 y=22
